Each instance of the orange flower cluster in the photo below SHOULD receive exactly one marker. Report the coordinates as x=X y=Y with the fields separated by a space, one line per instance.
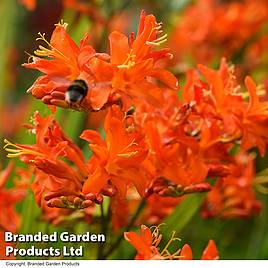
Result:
x=54 y=177
x=219 y=28
x=126 y=75
x=146 y=243
x=222 y=100
x=157 y=144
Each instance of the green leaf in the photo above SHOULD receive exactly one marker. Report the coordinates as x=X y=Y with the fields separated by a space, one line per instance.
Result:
x=183 y=213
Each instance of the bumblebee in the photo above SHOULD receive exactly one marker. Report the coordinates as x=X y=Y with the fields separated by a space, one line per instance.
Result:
x=76 y=92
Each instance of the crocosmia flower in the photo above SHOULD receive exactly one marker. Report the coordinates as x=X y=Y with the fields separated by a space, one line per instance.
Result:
x=147 y=245
x=126 y=74
x=135 y=59
x=115 y=159
x=62 y=62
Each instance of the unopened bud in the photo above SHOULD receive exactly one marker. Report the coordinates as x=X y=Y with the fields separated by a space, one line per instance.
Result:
x=197 y=188
x=98 y=199
x=64 y=200
x=90 y=196
x=108 y=190
x=77 y=202
x=56 y=202
x=86 y=203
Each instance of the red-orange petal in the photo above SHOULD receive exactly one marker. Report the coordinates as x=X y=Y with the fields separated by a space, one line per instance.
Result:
x=119 y=47
x=215 y=81
x=165 y=77
x=95 y=182
x=63 y=43
x=210 y=252
x=93 y=137
x=139 y=243
x=251 y=87
x=186 y=253
x=99 y=96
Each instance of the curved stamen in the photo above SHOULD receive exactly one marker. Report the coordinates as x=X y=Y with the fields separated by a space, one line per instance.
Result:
x=42 y=51
x=156 y=239
x=259 y=184
x=172 y=239
x=129 y=62
x=158 y=41
x=15 y=150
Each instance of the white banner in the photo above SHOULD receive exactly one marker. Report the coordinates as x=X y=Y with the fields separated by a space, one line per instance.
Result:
x=133 y=264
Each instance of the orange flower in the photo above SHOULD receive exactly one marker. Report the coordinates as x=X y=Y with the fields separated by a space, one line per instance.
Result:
x=190 y=36
x=46 y=155
x=177 y=162
x=67 y=62
x=130 y=74
x=233 y=195
x=174 y=161
x=223 y=113
x=117 y=159
x=57 y=209
x=255 y=123
x=219 y=29
x=135 y=62
x=147 y=242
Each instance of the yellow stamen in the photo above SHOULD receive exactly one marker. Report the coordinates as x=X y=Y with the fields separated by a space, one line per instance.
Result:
x=42 y=38
x=128 y=146
x=155 y=44
x=16 y=150
x=173 y=256
x=173 y=238
x=129 y=62
x=128 y=155
x=43 y=52
x=158 y=41
x=163 y=37
x=62 y=24
x=31 y=57
x=159 y=26
x=259 y=184
x=156 y=239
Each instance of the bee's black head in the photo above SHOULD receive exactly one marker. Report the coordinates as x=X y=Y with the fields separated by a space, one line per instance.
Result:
x=77 y=91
